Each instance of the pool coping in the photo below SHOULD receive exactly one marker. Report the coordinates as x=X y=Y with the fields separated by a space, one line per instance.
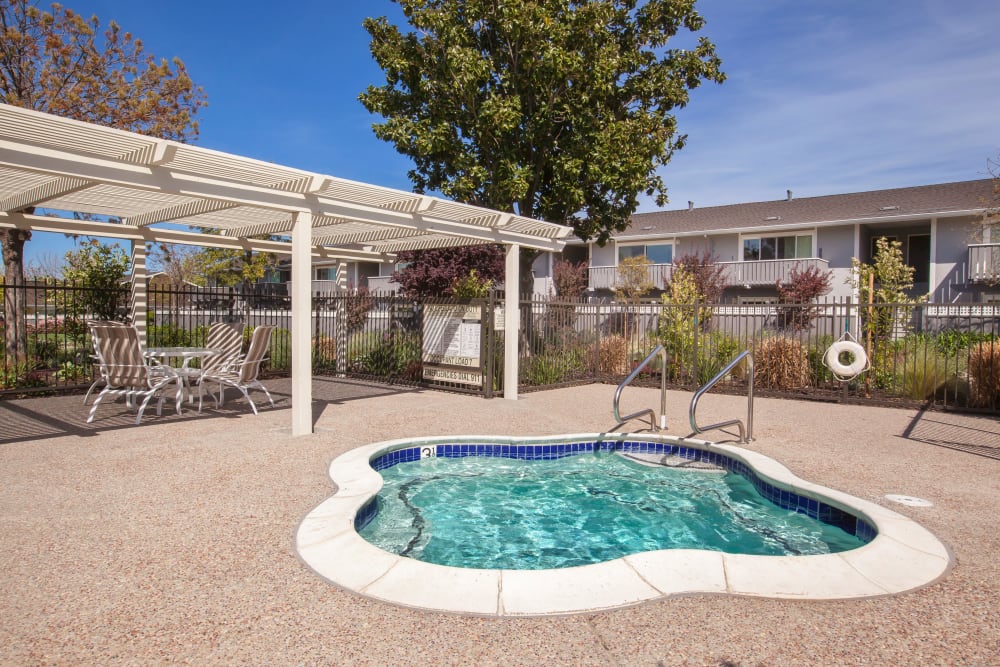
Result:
x=903 y=556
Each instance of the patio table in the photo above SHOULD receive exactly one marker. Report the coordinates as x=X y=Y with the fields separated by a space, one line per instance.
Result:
x=186 y=354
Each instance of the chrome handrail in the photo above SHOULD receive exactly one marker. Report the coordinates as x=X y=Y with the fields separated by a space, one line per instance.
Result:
x=746 y=434
x=663 y=393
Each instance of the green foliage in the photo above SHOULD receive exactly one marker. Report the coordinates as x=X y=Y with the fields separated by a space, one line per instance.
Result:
x=715 y=350
x=885 y=284
x=72 y=372
x=560 y=111
x=679 y=319
x=555 y=366
x=228 y=268
x=62 y=63
x=922 y=371
x=390 y=356
x=169 y=335
x=633 y=279
x=471 y=286
x=20 y=376
x=709 y=276
x=100 y=269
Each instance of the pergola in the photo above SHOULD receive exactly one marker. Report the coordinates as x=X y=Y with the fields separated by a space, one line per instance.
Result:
x=156 y=188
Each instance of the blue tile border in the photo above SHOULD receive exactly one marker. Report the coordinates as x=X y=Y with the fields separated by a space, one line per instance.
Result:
x=784 y=498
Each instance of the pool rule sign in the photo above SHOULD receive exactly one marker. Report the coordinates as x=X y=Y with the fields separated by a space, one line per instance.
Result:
x=453 y=343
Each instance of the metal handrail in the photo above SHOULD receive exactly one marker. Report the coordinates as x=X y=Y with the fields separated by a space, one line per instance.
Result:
x=746 y=433
x=663 y=393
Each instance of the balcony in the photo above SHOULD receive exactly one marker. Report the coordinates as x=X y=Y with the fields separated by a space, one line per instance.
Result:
x=765 y=272
x=984 y=262
x=606 y=277
x=382 y=285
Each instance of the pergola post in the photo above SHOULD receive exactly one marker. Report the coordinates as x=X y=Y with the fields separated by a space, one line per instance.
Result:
x=301 y=324
x=139 y=298
x=340 y=317
x=512 y=321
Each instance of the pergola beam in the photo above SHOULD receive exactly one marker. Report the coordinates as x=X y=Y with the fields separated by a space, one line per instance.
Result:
x=43 y=223
x=179 y=212
x=38 y=195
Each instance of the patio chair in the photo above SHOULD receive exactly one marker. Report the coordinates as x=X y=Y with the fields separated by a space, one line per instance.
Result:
x=128 y=372
x=102 y=370
x=228 y=339
x=244 y=373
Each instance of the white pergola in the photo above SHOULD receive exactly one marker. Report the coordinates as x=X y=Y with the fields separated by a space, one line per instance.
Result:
x=154 y=186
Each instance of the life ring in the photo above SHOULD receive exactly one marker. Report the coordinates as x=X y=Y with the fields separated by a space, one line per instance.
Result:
x=832 y=359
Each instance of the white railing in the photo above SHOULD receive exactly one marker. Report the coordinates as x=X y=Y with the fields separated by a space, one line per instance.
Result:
x=318 y=286
x=381 y=284
x=752 y=273
x=606 y=277
x=984 y=262
x=767 y=271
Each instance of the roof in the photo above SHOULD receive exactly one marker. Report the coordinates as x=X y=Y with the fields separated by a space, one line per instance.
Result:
x=153 y=185
x=945 y=199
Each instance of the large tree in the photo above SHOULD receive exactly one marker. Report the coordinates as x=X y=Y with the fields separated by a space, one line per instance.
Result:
x=556 y=109
x=61 y=63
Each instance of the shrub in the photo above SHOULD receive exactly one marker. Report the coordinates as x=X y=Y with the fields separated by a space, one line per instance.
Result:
x=708 y=276
x=679 y=319
x=780 y=363
x=393 y=356
x=922 y=374
x=20 y=376
x=555 y=366
x=613 y=357
x=797 y=295
x=716 y=350
x=169 y=335
x=325 y=351
x=357 y=307
x=984 y=374
x=569 y=279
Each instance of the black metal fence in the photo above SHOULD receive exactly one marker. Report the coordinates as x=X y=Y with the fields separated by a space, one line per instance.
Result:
x=933 y=355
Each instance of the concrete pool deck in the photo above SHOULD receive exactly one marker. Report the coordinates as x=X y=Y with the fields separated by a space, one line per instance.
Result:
x=174 y=541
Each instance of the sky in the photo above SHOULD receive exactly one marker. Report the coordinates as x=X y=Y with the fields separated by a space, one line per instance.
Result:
x=821 y=97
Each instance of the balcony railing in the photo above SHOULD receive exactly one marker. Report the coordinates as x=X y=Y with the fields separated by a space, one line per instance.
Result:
x=606 y=277
x=766 y=272
x=984 y=262
x=381 y=284
x=753 y=273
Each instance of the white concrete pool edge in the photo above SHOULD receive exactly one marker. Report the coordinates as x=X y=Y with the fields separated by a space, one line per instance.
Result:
x=902 y=557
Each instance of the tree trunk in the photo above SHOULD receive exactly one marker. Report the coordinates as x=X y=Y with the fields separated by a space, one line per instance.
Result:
x=15 y=324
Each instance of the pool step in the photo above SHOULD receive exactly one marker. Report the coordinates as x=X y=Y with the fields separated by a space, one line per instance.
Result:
x=672 y=461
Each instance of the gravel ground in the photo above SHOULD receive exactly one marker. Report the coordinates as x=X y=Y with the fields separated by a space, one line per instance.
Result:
x=173 y=541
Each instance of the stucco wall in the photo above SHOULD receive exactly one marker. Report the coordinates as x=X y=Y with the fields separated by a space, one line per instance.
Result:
x=950 y=270
x=836 y=246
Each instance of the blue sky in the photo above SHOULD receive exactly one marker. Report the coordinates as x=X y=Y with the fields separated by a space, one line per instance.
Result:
x=822 y=96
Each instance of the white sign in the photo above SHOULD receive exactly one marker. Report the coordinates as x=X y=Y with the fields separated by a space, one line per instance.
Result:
x=456 y=376
x=451 y=335
x=452 y=339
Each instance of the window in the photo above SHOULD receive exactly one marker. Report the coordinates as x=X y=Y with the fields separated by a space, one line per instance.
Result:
x=799 y=246
x=657 y=253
